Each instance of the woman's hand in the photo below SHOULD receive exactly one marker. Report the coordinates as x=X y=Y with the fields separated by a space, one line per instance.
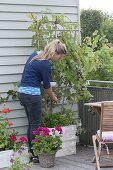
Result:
x=51 y=94
x=55 y=99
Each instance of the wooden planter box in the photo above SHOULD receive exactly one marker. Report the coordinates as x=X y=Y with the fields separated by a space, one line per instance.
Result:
x=68 y=141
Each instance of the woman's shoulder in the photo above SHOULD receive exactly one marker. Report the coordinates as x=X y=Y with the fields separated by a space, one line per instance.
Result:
x=44 y=65
x=44 y=62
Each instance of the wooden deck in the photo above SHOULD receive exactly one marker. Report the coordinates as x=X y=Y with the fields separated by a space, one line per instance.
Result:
x=80 y=161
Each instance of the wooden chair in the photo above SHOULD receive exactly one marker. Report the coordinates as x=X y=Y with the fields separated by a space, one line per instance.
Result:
x=104 y=136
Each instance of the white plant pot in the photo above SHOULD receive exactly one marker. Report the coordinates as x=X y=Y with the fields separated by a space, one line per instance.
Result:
x=53 y=84
x=68 y=141
x=5 y=157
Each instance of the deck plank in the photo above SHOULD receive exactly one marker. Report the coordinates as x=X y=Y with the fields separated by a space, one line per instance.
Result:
x=80 y=161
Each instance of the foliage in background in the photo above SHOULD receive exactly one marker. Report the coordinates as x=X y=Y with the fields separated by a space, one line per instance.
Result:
x=97 y=63
x=107 y=27
x=92 y=20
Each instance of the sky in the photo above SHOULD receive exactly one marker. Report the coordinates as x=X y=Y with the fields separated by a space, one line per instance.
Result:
x=103 y=5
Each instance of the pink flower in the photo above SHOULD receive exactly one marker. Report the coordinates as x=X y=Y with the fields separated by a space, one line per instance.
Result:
x=20 y=151
x=46 y=130
x=42 y=131
x=6 y=110
x=53 y=130
x=44 y=134
x=13 y=138
x=35 y=140
x=36 y=132
x=58 y=128
x=23 y=139
x=9 y=123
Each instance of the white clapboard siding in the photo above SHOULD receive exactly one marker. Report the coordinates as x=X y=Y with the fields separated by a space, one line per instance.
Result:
x=15 y=51
x=12 y=105
x=17 y=113
x=21 y=34
x=11 y=69
x=19 y=121
x=23 y=17
x=22 y=130
x=6 y=87
x=37 y=8
x=15 y=44
x=13 y=60
x=42 y=2
x=11 y=25
x=9 y=78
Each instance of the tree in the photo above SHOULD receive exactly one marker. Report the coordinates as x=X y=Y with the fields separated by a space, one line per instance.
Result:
x=91 y=20
x=107 y=27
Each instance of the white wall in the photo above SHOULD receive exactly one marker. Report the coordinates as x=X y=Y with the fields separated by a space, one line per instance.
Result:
x=15 y=43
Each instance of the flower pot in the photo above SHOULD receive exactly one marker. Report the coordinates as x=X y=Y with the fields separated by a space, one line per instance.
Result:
x=53 y=84
x=5 y=157
x=47 y=160
x=68 y=141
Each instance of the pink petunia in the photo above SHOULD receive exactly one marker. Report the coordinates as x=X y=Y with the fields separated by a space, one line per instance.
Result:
x=44 y=134
x=36 y=132
x=20 y=151
x=58 y=128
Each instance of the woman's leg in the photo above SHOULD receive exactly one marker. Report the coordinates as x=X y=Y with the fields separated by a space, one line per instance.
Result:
x=34 y=113
x=33 y=109
x=28 y=129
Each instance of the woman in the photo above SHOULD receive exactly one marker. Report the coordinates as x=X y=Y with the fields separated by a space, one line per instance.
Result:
x=38 y=69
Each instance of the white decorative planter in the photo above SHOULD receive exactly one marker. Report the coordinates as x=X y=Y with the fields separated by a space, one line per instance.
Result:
x=68 y=141
x=5 y=157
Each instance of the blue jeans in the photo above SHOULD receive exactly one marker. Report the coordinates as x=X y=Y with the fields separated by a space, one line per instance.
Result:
x=33 y=108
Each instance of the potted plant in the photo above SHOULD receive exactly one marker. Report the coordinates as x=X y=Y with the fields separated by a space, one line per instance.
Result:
x=67 y=73
x=9 y=143
x=17 y=163
x=46 y=143
x=69 y=127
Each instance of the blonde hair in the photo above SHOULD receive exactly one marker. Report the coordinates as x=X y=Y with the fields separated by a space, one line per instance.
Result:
x=54 y=47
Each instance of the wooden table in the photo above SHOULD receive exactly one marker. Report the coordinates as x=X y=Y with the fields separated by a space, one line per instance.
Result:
x=95 y=105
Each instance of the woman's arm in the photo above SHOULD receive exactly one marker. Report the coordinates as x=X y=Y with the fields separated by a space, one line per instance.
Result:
x=51 y=94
